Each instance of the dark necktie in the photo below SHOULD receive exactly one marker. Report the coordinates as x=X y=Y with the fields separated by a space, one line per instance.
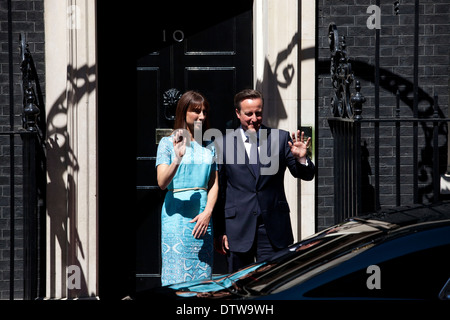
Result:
x=254 y=157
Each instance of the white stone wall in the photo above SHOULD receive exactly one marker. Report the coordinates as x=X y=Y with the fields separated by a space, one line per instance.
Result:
x=71 y=102
x=282 y=30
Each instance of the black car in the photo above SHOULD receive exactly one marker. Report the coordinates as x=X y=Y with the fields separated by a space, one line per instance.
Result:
x=390 y=255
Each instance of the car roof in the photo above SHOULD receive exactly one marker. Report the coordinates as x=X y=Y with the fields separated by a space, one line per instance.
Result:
x=411 y=214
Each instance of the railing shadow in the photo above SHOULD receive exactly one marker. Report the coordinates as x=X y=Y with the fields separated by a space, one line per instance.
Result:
x=280 y=77
x=62 y=168
x=396 y=84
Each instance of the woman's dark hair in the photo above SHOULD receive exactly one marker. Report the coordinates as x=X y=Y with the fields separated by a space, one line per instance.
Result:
x=191 y=101
x=246 y=94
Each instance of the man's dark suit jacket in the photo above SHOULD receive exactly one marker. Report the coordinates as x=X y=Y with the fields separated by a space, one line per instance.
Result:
x=243 y=196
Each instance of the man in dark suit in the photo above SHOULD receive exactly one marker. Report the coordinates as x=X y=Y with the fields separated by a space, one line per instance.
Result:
x=252 y=219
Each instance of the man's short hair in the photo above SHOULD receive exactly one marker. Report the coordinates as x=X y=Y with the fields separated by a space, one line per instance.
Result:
x=246 y=94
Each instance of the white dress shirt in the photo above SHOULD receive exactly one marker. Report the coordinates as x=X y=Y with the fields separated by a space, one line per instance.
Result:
x=248 y=145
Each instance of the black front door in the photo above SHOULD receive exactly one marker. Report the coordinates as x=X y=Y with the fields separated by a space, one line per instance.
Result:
x=217 y=61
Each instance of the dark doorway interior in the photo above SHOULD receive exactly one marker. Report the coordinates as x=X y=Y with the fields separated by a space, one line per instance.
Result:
x=216 y=61
x=194 y=45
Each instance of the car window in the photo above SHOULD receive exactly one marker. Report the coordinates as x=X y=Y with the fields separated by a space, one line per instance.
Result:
x=417 y=275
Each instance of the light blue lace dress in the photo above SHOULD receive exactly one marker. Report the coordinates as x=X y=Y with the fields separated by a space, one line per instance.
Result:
x=185 y=258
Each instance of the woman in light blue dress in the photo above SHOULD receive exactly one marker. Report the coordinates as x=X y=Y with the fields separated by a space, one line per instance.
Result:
x=186 y=168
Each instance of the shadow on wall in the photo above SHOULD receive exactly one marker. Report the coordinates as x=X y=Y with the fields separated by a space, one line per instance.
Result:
x=392 y=83
x=283 y=73
x=62 y=166
x=280 y=77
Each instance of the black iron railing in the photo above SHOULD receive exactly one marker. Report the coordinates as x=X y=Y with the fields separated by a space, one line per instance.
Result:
x=354 y=192
x=34 y=176
x=346 y=129
x=27 y=250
